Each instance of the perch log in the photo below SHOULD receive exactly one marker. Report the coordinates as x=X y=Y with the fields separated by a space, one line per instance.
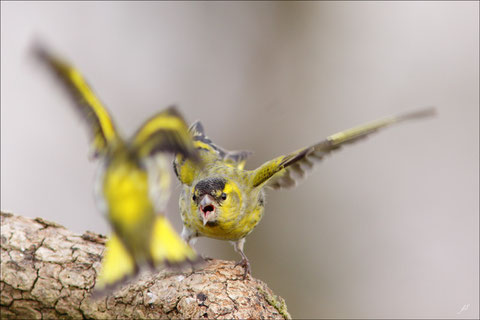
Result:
x=49 y=272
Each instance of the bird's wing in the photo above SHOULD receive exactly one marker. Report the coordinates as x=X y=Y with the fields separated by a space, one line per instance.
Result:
x=237 y=158
x=118 y=265
x=168 y=247
x=166 y=131
x=287 y=171
x=90 y=107
x=209 y=152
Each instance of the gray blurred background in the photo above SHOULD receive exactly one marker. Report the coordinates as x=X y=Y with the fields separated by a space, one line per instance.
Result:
x=386 y=228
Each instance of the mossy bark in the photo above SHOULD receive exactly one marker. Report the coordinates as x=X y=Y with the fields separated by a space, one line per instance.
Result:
x=49 y=272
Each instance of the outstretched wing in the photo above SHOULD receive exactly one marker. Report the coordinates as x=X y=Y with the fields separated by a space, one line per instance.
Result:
x=164 y=132
x=202 y=142
x=287 y=171
x=209 y=152
x=100 y=122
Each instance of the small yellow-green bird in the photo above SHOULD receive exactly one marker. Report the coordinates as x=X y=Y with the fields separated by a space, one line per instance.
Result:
x=132 y=182
x=223 y=201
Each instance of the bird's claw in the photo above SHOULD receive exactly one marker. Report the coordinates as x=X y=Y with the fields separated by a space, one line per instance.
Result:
x=246 y=266
x=205 y=258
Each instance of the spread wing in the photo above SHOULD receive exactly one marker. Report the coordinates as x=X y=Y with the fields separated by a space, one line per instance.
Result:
x=287 y=171
x=100 y=123
x=202 y=142
x=166 y=131
x=209 y=152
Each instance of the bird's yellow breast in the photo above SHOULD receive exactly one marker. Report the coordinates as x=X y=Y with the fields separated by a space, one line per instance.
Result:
x=125 y=189
x=236 y=228
x=236 y=219
x=229 y=226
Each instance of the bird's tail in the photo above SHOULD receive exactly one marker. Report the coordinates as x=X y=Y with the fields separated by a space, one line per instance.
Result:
x=168 y=248
x=119 y=265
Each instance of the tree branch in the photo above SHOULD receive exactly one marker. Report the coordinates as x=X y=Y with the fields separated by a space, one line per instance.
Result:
x=49 y=272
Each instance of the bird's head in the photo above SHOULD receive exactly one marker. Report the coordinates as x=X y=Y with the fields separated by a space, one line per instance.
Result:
x=212 y=197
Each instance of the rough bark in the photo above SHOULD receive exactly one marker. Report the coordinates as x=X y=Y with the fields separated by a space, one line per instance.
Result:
x=49 y=272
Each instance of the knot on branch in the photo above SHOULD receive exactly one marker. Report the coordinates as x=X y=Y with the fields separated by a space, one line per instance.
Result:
x=49 y=272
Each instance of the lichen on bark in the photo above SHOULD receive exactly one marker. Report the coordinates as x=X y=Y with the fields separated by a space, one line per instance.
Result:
x=49 y=272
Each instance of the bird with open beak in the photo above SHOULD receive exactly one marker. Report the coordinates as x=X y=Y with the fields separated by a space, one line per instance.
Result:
x=224 y=201
x=208 y=196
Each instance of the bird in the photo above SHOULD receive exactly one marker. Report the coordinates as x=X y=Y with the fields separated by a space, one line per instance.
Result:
x=132 y=182
x=222 y=200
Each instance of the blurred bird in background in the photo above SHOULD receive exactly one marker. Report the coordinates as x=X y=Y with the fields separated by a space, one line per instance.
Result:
x=223 y=201
x=132 y=185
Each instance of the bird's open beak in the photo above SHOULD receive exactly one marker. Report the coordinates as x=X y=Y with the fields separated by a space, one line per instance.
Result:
x=207 y=207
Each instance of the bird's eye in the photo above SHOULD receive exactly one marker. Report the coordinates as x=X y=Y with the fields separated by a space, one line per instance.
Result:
x=224 y=196
x=194 y=197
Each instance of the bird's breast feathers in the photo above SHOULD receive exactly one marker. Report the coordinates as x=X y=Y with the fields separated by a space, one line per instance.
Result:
x=234 y=221
x=126 y=194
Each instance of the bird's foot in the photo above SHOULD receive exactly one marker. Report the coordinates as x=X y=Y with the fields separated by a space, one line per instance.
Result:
x=197 y=265
x=205 y=258
x=246 y=266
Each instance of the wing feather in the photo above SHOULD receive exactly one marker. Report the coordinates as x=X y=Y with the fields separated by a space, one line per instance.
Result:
x=237 y=157
x=101 y=125
x=210 y=152
x=166 y=131
x=287 y=171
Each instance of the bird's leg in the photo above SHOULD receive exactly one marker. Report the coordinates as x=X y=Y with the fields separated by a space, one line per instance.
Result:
x=238 y=245
x=191 y=238
x=192 y=242
x=206 y=258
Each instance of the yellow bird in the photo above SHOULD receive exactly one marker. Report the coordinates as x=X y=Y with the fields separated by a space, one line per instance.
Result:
x=132 y=182
x=223 y=201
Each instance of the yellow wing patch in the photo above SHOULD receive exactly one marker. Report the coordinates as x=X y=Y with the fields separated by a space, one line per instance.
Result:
x=185 y=170
x=266 y=171
x=167 y=247
x=286 y=171
x=86 y=93
x=117 y=265
x=164 y=132
x=241 y=164
x=205 y=146
x=102 y=127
